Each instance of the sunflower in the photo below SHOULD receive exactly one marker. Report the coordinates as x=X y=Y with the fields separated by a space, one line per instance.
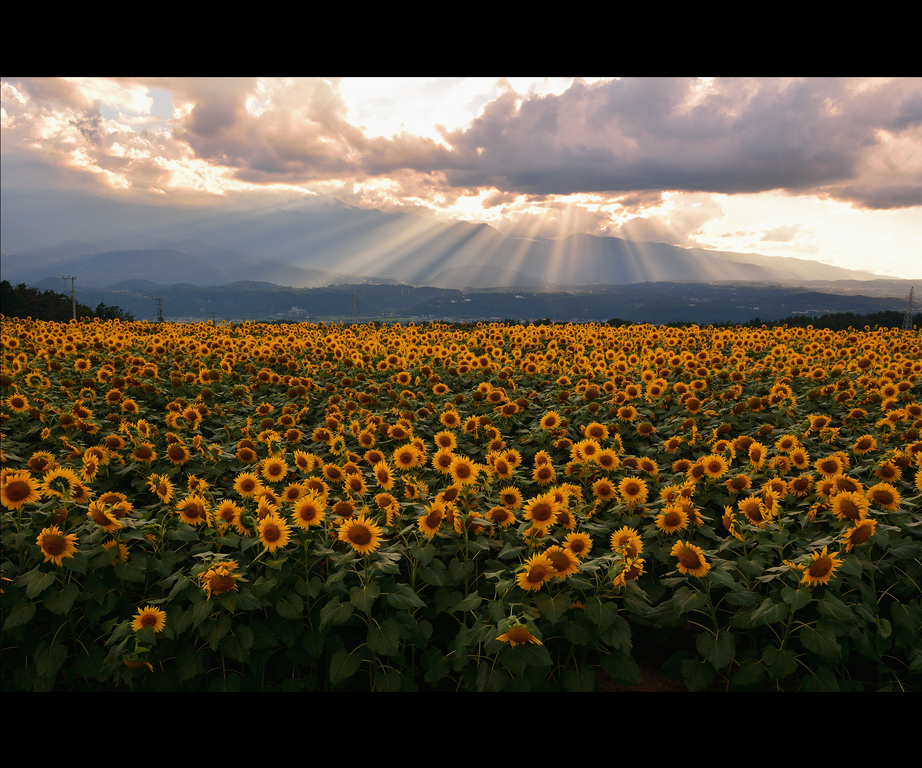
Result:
x=632 y=570
x=60 y=482
x=356 y=485
x=193 y=510
x=844 y=483
x=274 y=532
x=754 y=509
x=103 y=517
x=586 y=450
x=672 y=519
x=550 y=420
x=161 y=485
x=715 y=466
x=121 y=551
x=538 y=569
x=502 y=516
x=18 y=489
x=219 y=578
x=18 y=404
x=429 y=522
x=756 y=456
x=407 y=457
x=691 y=559
x=800 y=458
x=888 y=472
x=149 y=617
x=510 y=497
x=738 y=483
x=563 y=560
x=441 y=460
x=633 y=491
x=603 y=490
x=578 y=543
x=177 y=453
x=468 y=523
x=55 y=545
x=501 y=467
x=864 y=444
x=450 y=419
x=608 y=459
x=309 y=510
x=596 y=431
x=362 y=534
x=293 y=492
x=627 y=540
x=541 y=511
x=850 y=506
x=828 y=466
x=821 y=569
x=463 y=470
x=544 y=474
x=859 y=533
x=519 y=635
x=41 y=462
x=144 y=453
x=786 y=443
x=274 y=469
x=885 y=495
x=227 y=513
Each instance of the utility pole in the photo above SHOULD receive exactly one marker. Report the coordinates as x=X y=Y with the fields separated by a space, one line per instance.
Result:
x=73 y=293
x=907 y=318
x=355 y=305
x=212 y=318
x=159 y=300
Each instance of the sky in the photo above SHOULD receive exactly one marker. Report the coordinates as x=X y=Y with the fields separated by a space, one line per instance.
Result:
x=814 y=168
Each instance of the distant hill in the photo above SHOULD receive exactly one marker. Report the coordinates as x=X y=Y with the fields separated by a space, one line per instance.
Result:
x=103 y=269
x=320 y=241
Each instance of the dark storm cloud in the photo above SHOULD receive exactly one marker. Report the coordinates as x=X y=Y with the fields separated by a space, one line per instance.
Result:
x=740 y=136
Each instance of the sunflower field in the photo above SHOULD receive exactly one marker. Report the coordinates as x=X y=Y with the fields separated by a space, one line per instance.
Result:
x=485 y=507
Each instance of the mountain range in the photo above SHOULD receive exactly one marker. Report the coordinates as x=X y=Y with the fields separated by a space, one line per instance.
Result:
x=323 y=241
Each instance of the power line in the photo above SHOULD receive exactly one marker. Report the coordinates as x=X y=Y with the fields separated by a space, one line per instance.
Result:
x=73 y=293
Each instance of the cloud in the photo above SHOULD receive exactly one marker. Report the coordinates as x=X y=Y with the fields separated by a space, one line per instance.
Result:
x=685 y=216
x=782 y=234
x=630 y=140
x=738 y=136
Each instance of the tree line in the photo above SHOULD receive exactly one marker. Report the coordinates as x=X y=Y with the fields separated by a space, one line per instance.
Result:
x=833 y=321
x=27 y=301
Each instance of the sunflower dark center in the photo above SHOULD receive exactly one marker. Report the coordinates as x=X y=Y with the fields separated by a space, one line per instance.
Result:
x=820 y=567
x=689 y=559
x=861 y=534
x=18 y=490
x=542 y=512
x=359 y=535
x=271 y=532
x=222 y=583
x=54 y=544
x=537 y=574
x=849 y=509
